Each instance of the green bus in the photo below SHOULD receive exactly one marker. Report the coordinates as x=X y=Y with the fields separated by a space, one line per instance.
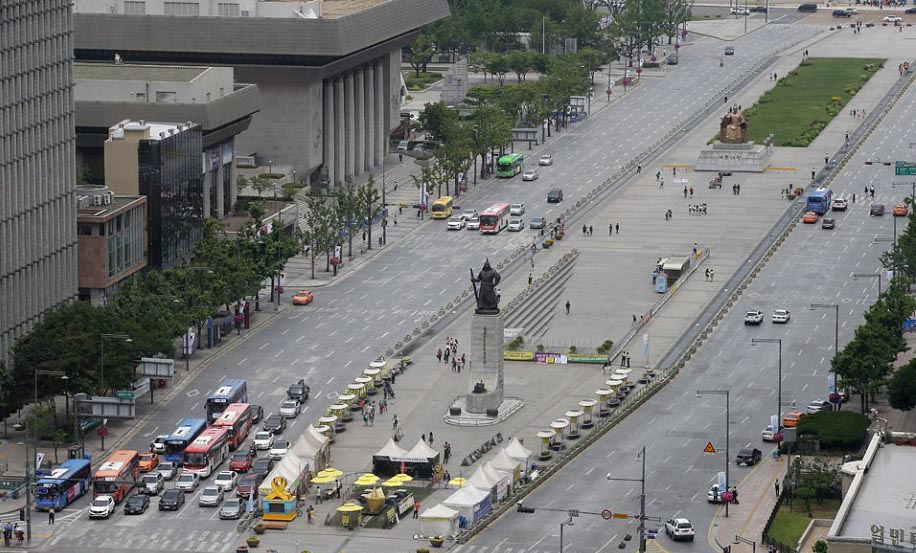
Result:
x=510 y=165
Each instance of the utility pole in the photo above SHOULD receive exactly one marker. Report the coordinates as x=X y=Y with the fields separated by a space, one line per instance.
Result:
x=642 y=498
x=725 y=393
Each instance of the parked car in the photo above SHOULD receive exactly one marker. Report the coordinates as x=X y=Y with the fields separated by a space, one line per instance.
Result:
x=136 y=504
x=810 y=217
x=839 y=204
x=262 y=466
x=828 y=223
x=455 y=222
x=231 y=509
x=263 y=440
x=303 y=297
x=754 y=317
x=211 y=496
x=768 y=434
x=152 y=483
x=241 y=460
x=740 y=11
x=158 y=444
x=555 y=196
x=168 y=470
x=671 y=59
x=275 y=424
x=516 y=225
x=537 y=222
x=171 y=500
x=226 y=480
x=298 y=391
x=279 y=450
x=473 y=223
x=790 y=419
x=900 y=210
x=876 y=209
x=759 y=9
x=290 y=408
x=781 y=316
x=103 y=506
x=892 y=19
x=817 y=406
x=530 y=175
x=545 y=160
x=748 y=456
x=148 y=462
x=187 y=482
x=679 y=529
x=517 y=209
x=249 y=484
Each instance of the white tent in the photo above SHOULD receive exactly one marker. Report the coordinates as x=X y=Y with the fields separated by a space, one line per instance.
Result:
x=439 y=521
x=313 y=449
x=470 y=502
x=502 y=480
x=422 y=451
x=504 y=462
x=391 y=449
x=289 y=467
x=517 y=451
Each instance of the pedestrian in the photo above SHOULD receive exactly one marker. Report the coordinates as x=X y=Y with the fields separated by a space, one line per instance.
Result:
x=462 y=358
x=776 y=484
x=691 y=191
x=847 y=138
x=628 y=360
x=371 y=418
x=812 y=174
x=610 y=230
x=695 y=247
x=871 y=190
x=826 y=159
x=658 y=175
x=454 y=365
x=735 y=495
x=737 y=187
x=416 y=509
x=7 y=534
x=364 y=236
x=446 y=354
x=51 y=516
x=590 y=230
x=661 y=183
x=439 y=355
x=725 y=100
x=674 y=171
x=567 y=307
x=617 y=228
x=395 y=220
x=530 y=278
x=853 y=197
x=430 y=438
x=446 y=452
x=707 y=273
x=634 y=318
x=584 y=230
x=394 y=422
x=338 y=488
x=365 y=419
x=401 y=158
x=401 y=208
x=638 y=169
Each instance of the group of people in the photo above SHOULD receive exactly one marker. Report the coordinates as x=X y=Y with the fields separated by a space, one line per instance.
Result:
x=9 y=531
x=451 y=353
x=710 y=274
x=857 y=113
x=368 y=410
x=870 y=191
x=696 y=209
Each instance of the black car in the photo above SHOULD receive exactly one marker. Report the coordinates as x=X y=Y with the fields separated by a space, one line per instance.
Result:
x=171 y=500
x=248 y=484
x=275 y=424
x=910 y=10
x=555 y=196
x=262 y=466
x=137 y=504
x=298 y=391
x=841 y=13
x=748 y=456
x=257 y=413
x=758 y=9
x=828 y=223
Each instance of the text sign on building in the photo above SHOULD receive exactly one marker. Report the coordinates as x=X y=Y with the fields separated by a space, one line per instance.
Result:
x=904 y=168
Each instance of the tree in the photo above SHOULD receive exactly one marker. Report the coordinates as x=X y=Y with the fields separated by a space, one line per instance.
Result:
x=454 y=156
x=435 y=117
x=498 y=67
x=520 y=62
x=369 y=201
x=420 y=52
x=348 y=213
x=675 y=13
x=901 y=388
x=319 y=232
x=257 y=182
x=490 y=129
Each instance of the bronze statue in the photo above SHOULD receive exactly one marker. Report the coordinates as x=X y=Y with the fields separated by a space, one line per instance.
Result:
x=733 y=128
x=487 y=298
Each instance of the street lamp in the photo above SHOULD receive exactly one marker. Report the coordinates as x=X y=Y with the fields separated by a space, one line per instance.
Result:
x=567 y=522
x=102 y=338
x=28 y=477
x=856 y=276
x=642 y=498
x=727 y=423
x=778 y=341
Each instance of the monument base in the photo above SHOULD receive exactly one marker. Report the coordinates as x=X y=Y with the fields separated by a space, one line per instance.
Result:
x=485 y=386
x=739 y=158
x=458 y=414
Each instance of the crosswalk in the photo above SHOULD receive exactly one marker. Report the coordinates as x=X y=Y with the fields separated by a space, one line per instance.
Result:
x=124 y=537
x=652 y=546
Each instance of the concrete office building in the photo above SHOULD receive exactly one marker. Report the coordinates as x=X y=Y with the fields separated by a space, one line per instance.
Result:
x=37 y=213
x=328 y=70
x=112 y=240
x=107 y=93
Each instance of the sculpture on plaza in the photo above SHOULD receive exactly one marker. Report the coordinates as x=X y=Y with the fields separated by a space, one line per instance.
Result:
x=733 y=128
x=487 y=297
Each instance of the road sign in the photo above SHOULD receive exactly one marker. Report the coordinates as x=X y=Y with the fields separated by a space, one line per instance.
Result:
x=606 y=514
x=904 y=168
x=709 y=448
x=621 y=515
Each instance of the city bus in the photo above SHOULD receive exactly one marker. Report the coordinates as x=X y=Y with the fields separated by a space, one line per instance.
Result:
x=819 y=201
x=236 y=419
x=442 y=208
x=117 y=475
x=177 y=441
x=509 y=165
x=494 y=218
x=232 y=390
x=64 y=485
x=207 y=451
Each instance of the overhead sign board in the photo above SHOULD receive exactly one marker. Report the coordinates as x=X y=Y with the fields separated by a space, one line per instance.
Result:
x=904 y=168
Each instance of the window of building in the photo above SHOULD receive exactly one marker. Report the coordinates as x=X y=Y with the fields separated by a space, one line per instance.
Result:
x=84 y=230
x=141 y=97
x=230 y=10
x=181 y=8
x=134 y=8
x=165 y=97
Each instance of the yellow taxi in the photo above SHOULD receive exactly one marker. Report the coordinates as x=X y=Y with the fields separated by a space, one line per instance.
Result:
x=810 y=217
x=303 y=297
x=148 y=462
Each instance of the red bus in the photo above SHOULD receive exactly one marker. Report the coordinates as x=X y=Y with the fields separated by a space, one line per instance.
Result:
x=237 y=420
x=494 y=218
x=207 y=451
x=117 y=475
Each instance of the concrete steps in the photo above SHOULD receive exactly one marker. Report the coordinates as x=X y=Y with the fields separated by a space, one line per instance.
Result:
x=534 y=314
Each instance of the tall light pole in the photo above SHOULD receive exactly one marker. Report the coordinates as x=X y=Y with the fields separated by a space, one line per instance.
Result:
x=857 y=276
x=102 y=338
x=642 y=497
x=567 y=522
x=778 y=378
x=727 y=423
x=836 y=343
x=28 y=477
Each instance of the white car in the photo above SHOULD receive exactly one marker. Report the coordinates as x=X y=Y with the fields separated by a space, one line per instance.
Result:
x=515 y=225
x=892 y=19
x=469 y=214
x=768 y=434
x=529 y=175
x=279 y=450
x=781 y=316
x=852 y=11
x=740 y=11
x=264 y=440
x=817 y=406
x=753 y=317
x=152 y=483
x=713 y=495
x=168 y=470
x=187 y=482
x=211 y=496
x=517 y=209
x=456 y=222
x=545 y=160
x=226 y=480
x=158 y=445
x=290 y=408
x=839 y=204
x=103 y=506
x=473 y=223
x=679 y=529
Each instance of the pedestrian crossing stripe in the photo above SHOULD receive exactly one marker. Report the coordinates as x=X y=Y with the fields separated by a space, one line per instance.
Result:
x=709 y=448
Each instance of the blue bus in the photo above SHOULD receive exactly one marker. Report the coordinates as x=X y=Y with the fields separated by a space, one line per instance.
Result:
x=63 y=485
x=232 y=390
x=819 y=201
x=181 y=438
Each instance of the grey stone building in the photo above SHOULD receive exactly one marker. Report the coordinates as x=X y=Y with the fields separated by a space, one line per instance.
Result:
x=38 y=245
x=328 y=71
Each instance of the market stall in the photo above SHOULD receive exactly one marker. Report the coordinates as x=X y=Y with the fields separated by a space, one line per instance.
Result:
x=384 y=461
x=439 y=521
x=471 y=503
x=519 y=452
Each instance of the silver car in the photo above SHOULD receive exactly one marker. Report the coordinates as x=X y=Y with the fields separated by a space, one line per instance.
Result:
x=231 y=509
x=211 y=496
x=290 y=408
x=530 y=175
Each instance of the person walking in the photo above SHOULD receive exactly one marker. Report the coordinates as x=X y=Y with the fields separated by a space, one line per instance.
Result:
x=610 y=230
x=567 y=307
x=590 y=230
x=439 y=355
x=617 y=228
x=430 y=438
x=51 y=516
x=454 y=365
x=691 y=191
x=446 y=452
x=7 y=534
x=776 y=485
x=416 y=509
x=685 y=192
x=638 y=169
x=738 y=188
x=661 y=183
x=394 y=422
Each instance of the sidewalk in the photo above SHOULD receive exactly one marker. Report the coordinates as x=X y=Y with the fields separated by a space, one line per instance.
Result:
x=757 y=496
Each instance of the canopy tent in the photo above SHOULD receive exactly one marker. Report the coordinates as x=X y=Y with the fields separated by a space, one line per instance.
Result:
x=504 y=462
x=503 y=480
x=520 y=453
x=439 y=521
x=383 y=463
x=489 y=481
x=471 y=503
x=313 y=448
x=419 y=461
x=290 y=467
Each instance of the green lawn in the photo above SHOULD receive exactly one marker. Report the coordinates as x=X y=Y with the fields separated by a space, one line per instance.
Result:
x=425 y=79
x=807 y=99
x=789 y=525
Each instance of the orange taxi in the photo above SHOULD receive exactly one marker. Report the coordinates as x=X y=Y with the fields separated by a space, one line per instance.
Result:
x=303 y=297
x=900 y=210
x=810 y=217
x=148 y=462
x=790 y=420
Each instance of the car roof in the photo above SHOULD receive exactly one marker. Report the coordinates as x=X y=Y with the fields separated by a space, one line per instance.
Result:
x=680 y=520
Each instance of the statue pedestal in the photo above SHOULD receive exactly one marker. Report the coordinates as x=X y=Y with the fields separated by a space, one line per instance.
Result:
x=486 y=372
x=740 y=158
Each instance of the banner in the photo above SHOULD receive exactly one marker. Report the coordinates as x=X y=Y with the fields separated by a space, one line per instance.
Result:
x=518 y=355
x=550 y=358
x=586 y=358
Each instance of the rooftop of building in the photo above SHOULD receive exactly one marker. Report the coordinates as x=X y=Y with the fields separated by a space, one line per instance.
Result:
x=98 y=203
x=149 y=130
x=136 y=72
x=342 y=8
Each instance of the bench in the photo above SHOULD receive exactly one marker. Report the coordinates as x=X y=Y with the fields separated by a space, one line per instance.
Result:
x=274 y=524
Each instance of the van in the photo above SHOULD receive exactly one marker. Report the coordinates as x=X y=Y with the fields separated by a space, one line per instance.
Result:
x=841 y=13
x=808 y=7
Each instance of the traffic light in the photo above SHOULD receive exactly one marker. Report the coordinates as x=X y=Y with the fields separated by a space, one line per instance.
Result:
x=522 y=509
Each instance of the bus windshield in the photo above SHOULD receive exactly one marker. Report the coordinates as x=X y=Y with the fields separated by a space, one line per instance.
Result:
x=230 y=391
x=509 y=165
